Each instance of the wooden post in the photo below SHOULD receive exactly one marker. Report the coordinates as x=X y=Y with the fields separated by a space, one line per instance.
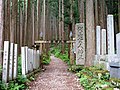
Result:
x=5 y=61
x=41 y=55
x=71 y=54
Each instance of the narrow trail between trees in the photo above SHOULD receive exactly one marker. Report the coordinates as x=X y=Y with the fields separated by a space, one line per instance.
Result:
x=56 y=77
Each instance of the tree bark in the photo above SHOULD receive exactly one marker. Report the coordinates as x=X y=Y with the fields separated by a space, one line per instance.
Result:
x=21 y=26
x=90 y=33
x=29 y=25
x=44 y=18
x=96 y=13
x=60 y=20
x=25 y=22
x=63 y=36
x=7 y=16
x=13 y=30
x=39 y=18
x=1 y=29
x=119 y=14
x=81 y=10
x=101 y=12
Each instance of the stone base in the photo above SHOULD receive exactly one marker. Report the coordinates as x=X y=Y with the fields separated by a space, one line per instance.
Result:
x=101 y=61
x=115 y=70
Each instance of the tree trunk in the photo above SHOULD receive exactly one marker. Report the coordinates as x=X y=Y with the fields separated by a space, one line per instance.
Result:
x=25 y=22
x=119 y=13
x=7 y=20
x=29 y=25
x=81 y=10
x=1 y=29
x=90 y=33
x=39 y=18
x=44 y=18
x=21 y=26
x=96 y=13
x=13 y=31
x=60 y=20
x=101 y=12
x=34 y=23
x=63 y=36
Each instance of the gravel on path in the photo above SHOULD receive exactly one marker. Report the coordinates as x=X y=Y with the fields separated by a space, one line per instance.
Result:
x=56 y=77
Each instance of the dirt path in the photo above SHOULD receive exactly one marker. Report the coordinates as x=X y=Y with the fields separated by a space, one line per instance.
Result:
x=56 y=77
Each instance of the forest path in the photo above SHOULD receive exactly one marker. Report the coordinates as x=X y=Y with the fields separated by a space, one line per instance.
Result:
x=56 y=77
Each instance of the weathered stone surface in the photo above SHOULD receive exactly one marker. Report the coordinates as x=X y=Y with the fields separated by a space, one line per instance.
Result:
x=80 y=44
x=11 y=61
x=118 y=44
x=98 y=40
x=5 y=61
x=103 y=51
x=23 y=57
x=110 y=32
x=15 y=64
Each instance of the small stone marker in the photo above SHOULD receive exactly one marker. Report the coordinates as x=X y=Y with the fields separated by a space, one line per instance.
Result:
x=5 y=61
x=32 y=59
x=80 y=44
x=98 y=40
x=103 y=42
x=11 y=61
x=38 y=58
x=29 y=59
x=23 y=56
x=34 y=62
x=110 y=32
x=26 y=58
x=15 y=60
x=118 y=44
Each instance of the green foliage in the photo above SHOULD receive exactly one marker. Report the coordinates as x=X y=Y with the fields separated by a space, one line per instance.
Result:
x=57 y=52
x=94 y=78
x=75 y=68
x=19 y=66
x=46 y=59
x=20 y=83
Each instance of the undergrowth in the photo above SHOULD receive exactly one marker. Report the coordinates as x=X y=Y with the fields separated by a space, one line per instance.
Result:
x=46 y=59
x=20 y=83
x=57 y=52
x=94 y=78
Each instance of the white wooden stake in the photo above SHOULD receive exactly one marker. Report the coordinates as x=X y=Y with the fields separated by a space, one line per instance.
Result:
x=5 y=61
x=15 y=61
x=11 y=61
x=23 y=57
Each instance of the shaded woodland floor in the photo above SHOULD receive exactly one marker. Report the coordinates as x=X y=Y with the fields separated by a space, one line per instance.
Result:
x=56 y=77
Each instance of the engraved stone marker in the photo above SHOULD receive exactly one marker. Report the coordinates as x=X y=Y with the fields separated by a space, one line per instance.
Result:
x=11 y=61
x=110 y=32
x=103 y=42
x=15 y=60
x=98 y=40
x=80 y=44
x=5 y=61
